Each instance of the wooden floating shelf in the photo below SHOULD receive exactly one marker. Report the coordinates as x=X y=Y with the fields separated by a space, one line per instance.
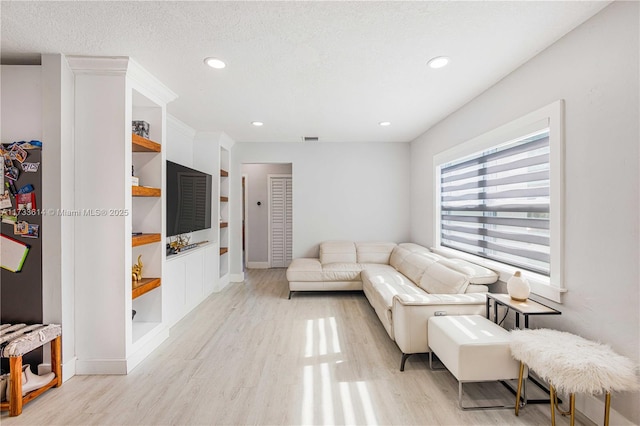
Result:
x=143 y=286
x=224 y=173
x=223 y=250
x=224 y=199
x=140 y=144
x=142 y=239
x=145 y=191
x=224 y=224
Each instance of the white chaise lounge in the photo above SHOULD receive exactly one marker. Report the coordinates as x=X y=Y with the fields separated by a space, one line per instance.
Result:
x=406 y=284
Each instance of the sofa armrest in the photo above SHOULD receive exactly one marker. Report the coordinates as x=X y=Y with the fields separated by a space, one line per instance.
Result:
x=440 y=299
x=412 y=312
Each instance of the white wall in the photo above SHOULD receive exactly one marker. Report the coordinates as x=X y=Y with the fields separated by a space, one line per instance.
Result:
x=257 y=225
x=595 y=69
x=348 y=191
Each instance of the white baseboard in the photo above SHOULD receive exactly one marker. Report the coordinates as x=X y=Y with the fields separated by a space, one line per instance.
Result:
x=593 y=409
x=258 y=265
x=146 y=349
x=101 y=366
x=237 y=278
x=69 y=369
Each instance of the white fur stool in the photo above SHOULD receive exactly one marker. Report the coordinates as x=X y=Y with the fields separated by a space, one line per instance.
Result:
x=473 y=349
x=572 y=364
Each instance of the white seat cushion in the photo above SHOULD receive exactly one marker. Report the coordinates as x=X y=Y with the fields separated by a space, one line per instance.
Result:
x=472 y=348
x=341 y=272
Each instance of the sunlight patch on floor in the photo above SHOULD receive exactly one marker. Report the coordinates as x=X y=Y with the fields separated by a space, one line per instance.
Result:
x=321 y=391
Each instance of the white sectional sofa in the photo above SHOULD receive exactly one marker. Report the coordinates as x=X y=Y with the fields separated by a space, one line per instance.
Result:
x=406 y=284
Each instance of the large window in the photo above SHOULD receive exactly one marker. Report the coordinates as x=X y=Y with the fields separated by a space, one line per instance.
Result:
x=499 y=199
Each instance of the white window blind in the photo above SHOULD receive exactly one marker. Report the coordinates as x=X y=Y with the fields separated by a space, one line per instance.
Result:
x=495 y=203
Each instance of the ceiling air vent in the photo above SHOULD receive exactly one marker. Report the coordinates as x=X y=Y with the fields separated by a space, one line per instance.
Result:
x=310 y=138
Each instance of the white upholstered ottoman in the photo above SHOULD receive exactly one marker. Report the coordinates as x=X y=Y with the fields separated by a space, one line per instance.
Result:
x=473 y=349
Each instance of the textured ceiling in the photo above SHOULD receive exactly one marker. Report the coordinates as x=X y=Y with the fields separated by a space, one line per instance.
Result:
x=327 y=69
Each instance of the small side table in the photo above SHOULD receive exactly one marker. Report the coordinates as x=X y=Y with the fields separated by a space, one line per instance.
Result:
x=527 y=308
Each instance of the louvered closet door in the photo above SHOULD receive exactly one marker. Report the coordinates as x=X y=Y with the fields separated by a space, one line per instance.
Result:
x=281 y=222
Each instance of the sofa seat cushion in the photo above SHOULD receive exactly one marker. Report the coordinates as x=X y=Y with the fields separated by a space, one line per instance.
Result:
x=377 y=267
x=387 y=284
x=380 y=286
x=374 y=252
x=304 y=269
x=341 y=272
x=337 y=252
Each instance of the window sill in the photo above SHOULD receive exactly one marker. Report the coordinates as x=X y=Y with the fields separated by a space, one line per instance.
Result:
x=540 y=285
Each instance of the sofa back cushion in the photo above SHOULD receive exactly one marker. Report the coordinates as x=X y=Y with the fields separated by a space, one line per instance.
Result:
x=337 y=252
x=477 y=274
x=374 y=252
x=440 y=279
x=415 y=264
x=398 y=254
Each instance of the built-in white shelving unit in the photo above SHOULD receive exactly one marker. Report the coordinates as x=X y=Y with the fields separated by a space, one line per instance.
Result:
x=110 y=92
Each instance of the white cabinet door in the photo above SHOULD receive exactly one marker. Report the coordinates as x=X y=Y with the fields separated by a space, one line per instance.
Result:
x=174 y=296
x=195 y=280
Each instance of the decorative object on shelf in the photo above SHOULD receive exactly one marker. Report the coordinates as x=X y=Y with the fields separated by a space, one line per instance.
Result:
x=136 y=270
x=518 y=287
x=179 y=243
x=140 y=128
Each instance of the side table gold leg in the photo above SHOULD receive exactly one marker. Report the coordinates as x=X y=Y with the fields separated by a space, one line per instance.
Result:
x=607 y=406
x=572 y=408
x=552 y=397
x=520 y=375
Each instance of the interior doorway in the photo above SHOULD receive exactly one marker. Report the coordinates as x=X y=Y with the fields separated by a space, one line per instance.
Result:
x=267 y=215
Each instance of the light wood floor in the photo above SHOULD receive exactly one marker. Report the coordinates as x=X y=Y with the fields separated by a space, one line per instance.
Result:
x=248 y=355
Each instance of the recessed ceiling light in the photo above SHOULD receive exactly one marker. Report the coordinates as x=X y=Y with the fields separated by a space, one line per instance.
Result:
x=215 y=63
x=438 y=62
x=385 y=123
x=257 y=123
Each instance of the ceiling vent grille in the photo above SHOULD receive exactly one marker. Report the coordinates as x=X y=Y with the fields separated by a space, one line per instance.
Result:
x=310 y=138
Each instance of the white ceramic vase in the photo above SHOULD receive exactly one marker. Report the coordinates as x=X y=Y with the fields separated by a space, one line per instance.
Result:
x=518 y=287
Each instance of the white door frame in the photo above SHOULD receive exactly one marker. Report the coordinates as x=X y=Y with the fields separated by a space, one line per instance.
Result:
x=269 y=178
x=246 y=219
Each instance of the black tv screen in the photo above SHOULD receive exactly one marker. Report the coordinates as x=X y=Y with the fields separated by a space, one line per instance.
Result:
x=188 y=199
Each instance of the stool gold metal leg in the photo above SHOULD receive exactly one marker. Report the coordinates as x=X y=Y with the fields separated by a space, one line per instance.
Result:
x=552 y=397
x=572 y=408
x=607 y=406
x=520 y=375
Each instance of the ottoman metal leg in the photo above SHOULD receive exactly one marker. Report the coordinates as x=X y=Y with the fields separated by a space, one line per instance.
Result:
x=484 y=407
x=607 y=406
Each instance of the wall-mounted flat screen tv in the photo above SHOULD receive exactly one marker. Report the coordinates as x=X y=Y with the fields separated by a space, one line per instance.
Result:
x=188 y=199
